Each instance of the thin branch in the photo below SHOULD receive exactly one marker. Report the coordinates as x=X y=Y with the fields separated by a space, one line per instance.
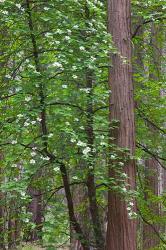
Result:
x=66 y=104
x=154 y=229
x=8 y=96
x=100 y=108
x=142 y=115
x=54 y=191
x=156 y=157
x=145 y=22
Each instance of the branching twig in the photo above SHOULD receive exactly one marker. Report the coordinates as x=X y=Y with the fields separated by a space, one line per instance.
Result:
x=154 y=229
x=146 y=22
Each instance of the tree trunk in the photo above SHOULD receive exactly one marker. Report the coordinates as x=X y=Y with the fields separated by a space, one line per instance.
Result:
x=150 y=239
x=82 y=213
x=155 y=174
x=72 y=217
x=93 y=206
x=2 y=208
x=35 y=207
x=121 y=232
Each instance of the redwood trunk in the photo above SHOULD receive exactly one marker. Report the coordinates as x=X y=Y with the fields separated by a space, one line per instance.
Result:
x=121 y=232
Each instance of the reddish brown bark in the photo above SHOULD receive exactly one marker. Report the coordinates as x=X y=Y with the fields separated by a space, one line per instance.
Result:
x=35 y=208
x=121 y=232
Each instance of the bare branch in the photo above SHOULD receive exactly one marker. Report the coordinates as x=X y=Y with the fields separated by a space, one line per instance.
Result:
x=146 y=22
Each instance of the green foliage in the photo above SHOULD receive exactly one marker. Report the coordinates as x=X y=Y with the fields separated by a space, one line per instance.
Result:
x=73 y=45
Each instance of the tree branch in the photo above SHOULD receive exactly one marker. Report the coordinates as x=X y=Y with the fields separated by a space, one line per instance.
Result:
x=146 y=22
x=156 y=157
x=154 y=229
x=142 y=115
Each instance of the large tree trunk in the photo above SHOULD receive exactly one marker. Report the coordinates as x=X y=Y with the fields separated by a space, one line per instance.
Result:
x=121 y=232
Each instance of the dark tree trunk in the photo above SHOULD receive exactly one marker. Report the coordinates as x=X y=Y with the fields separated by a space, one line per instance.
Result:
x=93 y=206
x=150 y=239
x=35 y=208
x=121 y=232
x=2 y=218
x=154 y=173
x=2 y=208
x=82 y=213
x=36 y=205
x=72 y=217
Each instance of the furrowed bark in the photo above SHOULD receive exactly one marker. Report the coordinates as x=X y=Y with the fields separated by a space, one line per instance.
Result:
x=121 y=231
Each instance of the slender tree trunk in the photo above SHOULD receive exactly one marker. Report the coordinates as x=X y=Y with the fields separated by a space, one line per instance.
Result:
x=94 y=210
x=2 y=208
x=121 y=232
x=154 y=173
x=36 y=205
x=11 y=229
x=74 y=223
x=82 y=213
x=150 y=240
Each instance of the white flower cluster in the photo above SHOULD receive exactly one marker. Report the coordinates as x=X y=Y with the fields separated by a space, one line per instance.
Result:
x=82 y=48
x=18 y=5
x=64 y=86
x=14 y=142
x=86 y=150
x=50 y=135
x=113 y=157
x=56 y=169
x=74 y=76
x=33 y=153
x=81 y=144
x=130 y=211
x=28 y=98
x=28 y=122
x=20 y=116
x=45 y=158
x=86 y=90
x=57 y=64
x=5 y=12
x=32 y=161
